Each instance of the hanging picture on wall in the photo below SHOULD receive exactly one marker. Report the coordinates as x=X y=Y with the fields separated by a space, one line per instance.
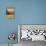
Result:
x=10 y=12
x=32 y=32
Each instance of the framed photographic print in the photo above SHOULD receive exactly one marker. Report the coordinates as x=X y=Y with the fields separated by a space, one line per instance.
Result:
x=32 y=32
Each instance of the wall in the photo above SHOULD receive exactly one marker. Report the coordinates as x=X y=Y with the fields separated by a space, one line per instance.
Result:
x=27 y=12
x=6 y=25
x=31 y=11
